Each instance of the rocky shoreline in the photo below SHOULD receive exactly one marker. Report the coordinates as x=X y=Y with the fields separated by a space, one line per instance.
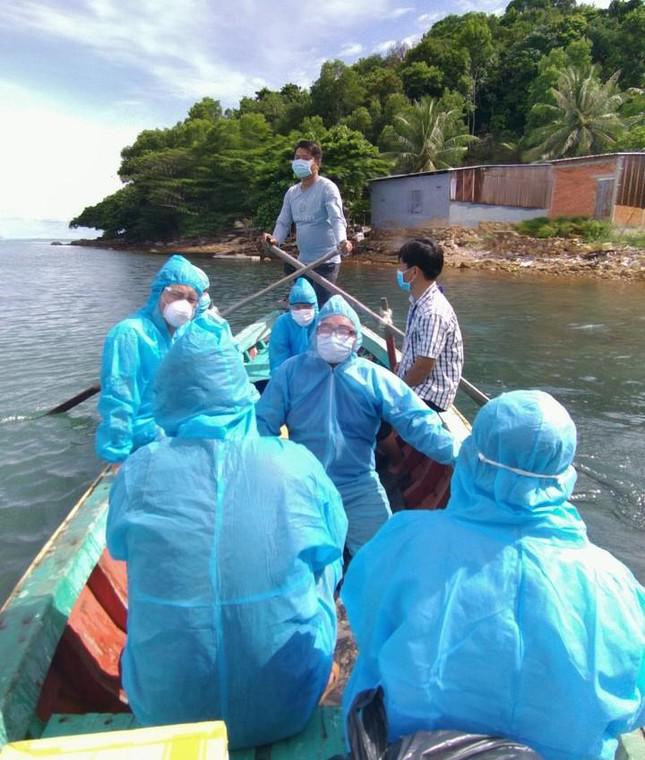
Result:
x=490 y=247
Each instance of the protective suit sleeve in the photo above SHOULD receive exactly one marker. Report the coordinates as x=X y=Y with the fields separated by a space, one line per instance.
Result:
x=279 y=343
x=272 y=408
x=415 y=422
x=120 y=396
x=375 y=609
x=284 y=221
x=122 y=494
x=335 y=215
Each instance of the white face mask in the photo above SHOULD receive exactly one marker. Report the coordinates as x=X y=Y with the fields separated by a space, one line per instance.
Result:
x=333 y=349
x=177 y=313
x=303 y=317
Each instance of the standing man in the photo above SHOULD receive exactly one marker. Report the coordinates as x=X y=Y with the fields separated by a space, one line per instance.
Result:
x=433 y=350
x=314 y=205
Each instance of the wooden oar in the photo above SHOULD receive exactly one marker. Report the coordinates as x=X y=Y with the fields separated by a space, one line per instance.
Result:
x=475 y=394
x=94 y=389
x=74 y=401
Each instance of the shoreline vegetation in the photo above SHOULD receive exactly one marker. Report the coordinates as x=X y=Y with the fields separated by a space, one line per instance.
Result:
x=545 y=79
x=492 y=247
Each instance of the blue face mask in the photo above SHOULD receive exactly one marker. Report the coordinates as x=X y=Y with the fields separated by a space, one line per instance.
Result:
x=302 y=167
x=401 y=282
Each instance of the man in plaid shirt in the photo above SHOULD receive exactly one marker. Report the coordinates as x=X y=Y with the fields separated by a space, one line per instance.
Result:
x=433 y=350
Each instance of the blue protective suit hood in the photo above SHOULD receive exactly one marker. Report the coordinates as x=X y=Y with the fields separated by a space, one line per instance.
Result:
x=527 y=431
x=338 y=306
x=176 y=271
x=131 y=354
x=303 y=292
x=201 y=388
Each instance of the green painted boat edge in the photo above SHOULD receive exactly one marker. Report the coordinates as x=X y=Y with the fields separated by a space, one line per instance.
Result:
x=320 y=739
x=33 y=618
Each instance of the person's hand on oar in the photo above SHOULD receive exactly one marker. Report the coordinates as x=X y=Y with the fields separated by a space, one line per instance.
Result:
x=265 y=239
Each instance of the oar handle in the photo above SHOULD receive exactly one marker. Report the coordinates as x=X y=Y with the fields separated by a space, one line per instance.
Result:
x=278 y=283
x=469 y=389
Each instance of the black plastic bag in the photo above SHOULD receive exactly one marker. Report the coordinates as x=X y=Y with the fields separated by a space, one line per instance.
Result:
x=367 y=735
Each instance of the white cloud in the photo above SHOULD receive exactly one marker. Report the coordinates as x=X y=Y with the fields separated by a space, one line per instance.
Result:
x=398 y=12
x=480 y=6
x=598 y=3
x=384 y=47
x=55 y=163
x=428 y=19
x=411 y=40
x=351 y=49
x=170 y=42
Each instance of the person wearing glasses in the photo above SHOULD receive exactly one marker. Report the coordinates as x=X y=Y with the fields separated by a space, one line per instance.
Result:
x=131 y=354
x=332 y=401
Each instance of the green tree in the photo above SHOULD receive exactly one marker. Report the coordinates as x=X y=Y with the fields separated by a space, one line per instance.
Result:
x=426 y=138
x=337 y=92
x=585 y=118
x=419 y=79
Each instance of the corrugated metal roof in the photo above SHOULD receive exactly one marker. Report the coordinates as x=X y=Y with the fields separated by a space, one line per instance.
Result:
x=506 y=166
x=597 y=156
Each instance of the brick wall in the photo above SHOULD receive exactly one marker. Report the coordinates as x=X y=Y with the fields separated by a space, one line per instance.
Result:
x=574 y=186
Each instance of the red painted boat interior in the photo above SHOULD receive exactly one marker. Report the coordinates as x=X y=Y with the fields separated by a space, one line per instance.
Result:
x=84 y=675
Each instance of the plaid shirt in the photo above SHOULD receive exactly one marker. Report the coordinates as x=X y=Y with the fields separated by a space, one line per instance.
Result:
x=432 y=331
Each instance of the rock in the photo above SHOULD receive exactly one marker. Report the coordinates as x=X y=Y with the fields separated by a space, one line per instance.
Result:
x=56 y=242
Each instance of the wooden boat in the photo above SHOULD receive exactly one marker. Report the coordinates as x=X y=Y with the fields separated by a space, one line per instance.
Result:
x=63 y=627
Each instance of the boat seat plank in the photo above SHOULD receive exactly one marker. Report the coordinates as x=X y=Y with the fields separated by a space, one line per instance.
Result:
x=321 y=738
x=109 y=584
x=62 y=724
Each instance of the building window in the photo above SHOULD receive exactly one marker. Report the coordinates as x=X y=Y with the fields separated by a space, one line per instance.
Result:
x=415 y=202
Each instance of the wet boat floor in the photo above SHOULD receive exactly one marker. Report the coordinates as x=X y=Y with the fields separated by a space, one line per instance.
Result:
x=346 y=652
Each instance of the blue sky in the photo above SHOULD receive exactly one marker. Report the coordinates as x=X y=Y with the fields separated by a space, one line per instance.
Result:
x=80 y=78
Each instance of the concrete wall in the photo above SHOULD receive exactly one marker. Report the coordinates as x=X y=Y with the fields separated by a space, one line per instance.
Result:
x=575 y=185
x=410 y=201
x=471 y=214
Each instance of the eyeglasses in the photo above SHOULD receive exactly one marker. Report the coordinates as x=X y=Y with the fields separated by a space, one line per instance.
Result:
x=340 y=332
x=180 y=295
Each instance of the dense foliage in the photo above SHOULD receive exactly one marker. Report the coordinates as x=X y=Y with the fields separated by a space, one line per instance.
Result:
x=548 y=78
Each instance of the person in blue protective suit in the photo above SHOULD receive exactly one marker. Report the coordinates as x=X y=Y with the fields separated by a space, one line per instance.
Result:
x=291 y=334
x=333 y=401
x=233 y=546
x=131 y=354
x=498 y=615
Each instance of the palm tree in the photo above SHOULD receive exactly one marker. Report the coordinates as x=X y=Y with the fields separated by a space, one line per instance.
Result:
x=426 y=138
x=583 y=119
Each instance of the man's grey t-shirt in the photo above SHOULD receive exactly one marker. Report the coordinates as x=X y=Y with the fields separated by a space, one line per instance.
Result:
x=318 y=216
